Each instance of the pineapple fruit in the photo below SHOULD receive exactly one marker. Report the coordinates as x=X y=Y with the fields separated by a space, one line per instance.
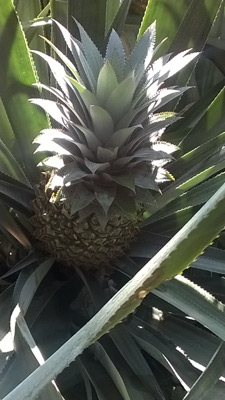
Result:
x=105 y=158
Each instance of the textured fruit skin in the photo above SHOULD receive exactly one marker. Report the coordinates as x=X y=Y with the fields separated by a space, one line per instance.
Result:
x=74 y=242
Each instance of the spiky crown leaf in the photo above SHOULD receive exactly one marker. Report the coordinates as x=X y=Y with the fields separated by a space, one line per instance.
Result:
x=108 y=151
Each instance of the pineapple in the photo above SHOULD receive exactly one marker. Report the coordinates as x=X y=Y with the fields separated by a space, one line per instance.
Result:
x=105 y=158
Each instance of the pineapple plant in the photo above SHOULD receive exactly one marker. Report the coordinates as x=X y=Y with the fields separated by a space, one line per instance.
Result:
x=138 y=359
x=106 y=158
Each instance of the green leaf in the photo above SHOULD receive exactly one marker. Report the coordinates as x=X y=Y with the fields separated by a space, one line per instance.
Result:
x=133 y=356
x=97 y=20
x=152 y=131
x=170 y=225
x=209 y=126
x=82 y=147
x=102 y=123
x=192 y=116
x=6 y=348
x=201 y=153
x=96 y=166
x=191 y=173
x=120 y=99
x=30 y=17
x=88 y=97
x=106 y=390
x=106 y=155
x=48 y=323
x=28 y=283
x=57 y=111
x=9 y=166
x=168 y=17
x=7 y=133
x=208 y=10
x=53 y=140
x=9 y=224
x=210 y=376
x=5 y=309
x=17 y=76
x=92 y=141
x=183 y=293
x=76 y=49
x=126 y=180
x=143 y=50
x=92 y=54
x=76 y=107
x=196 y=196
x=91 y=17
x=57 y=70
x=197 y=343
x=112 y=370
x=10 y=192
x=141 y=249
x=107 y=82
x=75 y=174
x=152 y=154
x=174 y=65
x=60 y=12
x=210 y=170
x=126 y=204
x=174 y=20
x=144 y=196
x=27 y=261
x=165 y=351
x=212 y=260
x=144 y=179
x=134 y=386
x=121 y=16
x=106 y=198
x=27 y=356
x=129 y=117
x=212 y=74
x=165 y=96
x=112 y=7
x=115 y=54
x=27 y=13
x=81 y=198
x=64 y=59
x=120 y=137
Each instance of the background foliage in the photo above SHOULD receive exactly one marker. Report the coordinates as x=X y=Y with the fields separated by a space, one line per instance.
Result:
x=172 y=346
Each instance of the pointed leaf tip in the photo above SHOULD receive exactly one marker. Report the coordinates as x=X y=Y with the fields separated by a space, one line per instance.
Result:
x=107 y=82
x=102 y=123
x=121 y=98
x=106 y=198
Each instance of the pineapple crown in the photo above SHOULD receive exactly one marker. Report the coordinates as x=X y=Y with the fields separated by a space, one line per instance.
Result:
x=107 y=151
